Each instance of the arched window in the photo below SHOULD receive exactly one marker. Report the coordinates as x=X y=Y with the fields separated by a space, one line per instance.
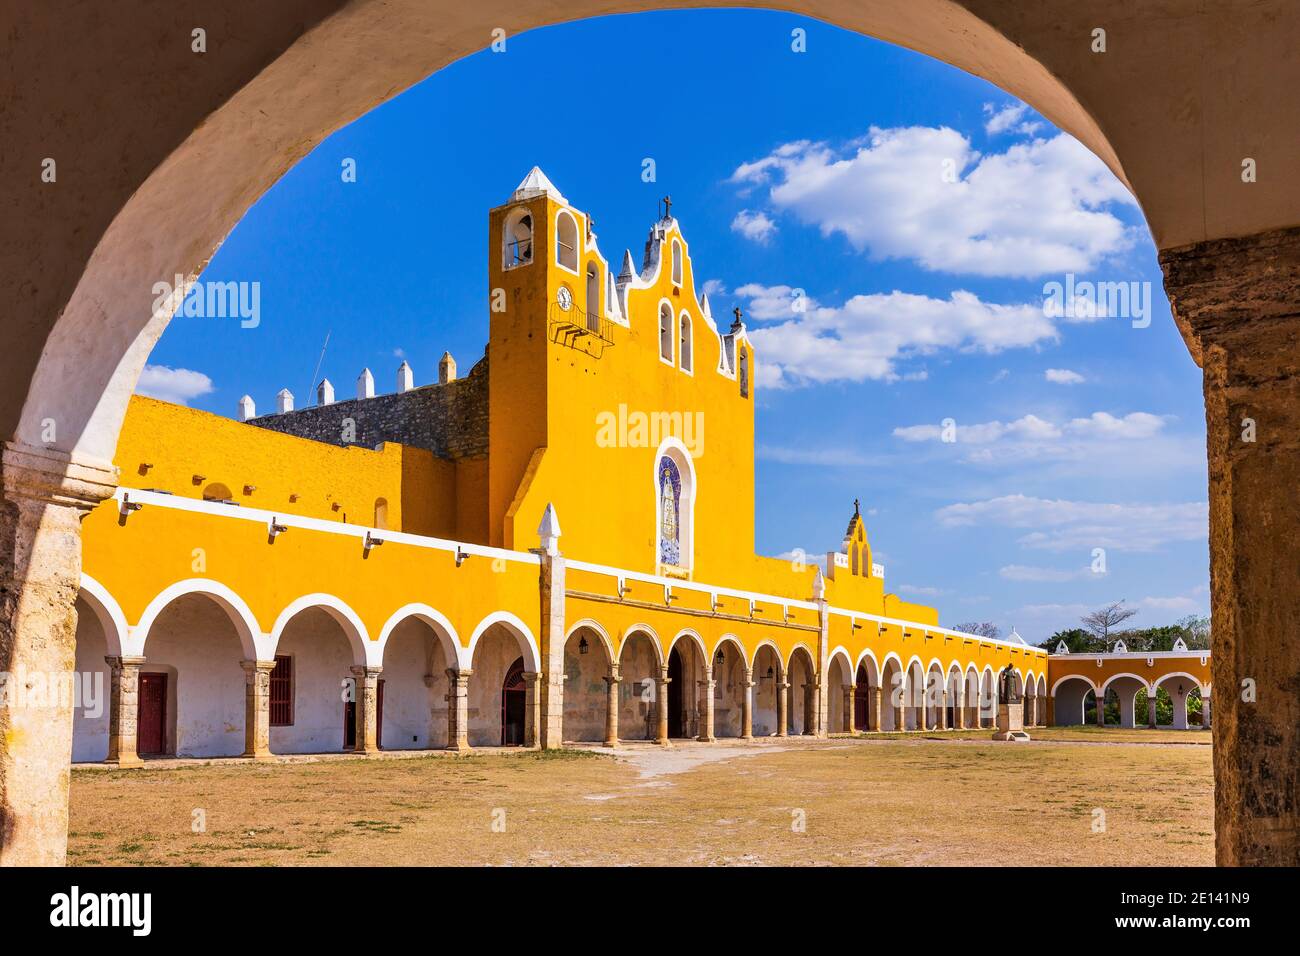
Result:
x=566 y=241
x=381 y=513
x=685 y=350
x=674 y=506
x=517 y=239
x=677 y=262
x=666 y=333
x=217 y=492
x=744 y=373
x=593 y=298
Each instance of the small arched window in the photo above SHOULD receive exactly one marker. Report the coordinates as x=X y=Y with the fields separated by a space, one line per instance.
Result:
x=685 y=350
x=744 y=373
x=677 y=262
x=566 y=241
x=217 y=492
x=381 y=513
x=593 y=298
x=517 y=239
x=666 y=333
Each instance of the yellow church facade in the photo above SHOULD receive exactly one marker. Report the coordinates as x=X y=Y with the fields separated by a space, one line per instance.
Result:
x=557 y=547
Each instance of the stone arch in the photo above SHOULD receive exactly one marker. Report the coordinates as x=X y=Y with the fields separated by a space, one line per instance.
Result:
x=971 y=693
x=893 y=689
x=501 y=648
x=935 y=701
x=729 y=671
x=108 y=614
x=988 y=697
x=768 y=676
x=1179 y=686
x=1126 y=688
x=839 y=691
x=914 y=696
x=1069 y=695
x=517 y=628
x=801 y=674
x=241 y=616
x=364 y=651
x=417 y=646
x=101 y=630
x=954 y=697
x=640 y=665
x=588 y=667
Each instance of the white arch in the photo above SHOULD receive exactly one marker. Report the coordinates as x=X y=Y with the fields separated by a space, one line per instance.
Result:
x=1114 y=677
x=891 y=656
x=1062 y=680
x=653 y=637
x=1195 y=680
x=592 y=625
x=523 y=637
x=849 y=670
x=686 y=516
x=438 y=623
x=867 y=654
x=109 y=614
x=729 y=638
x=812 y=658
x=365 y=652
x=251 y=638
x=776 y=652
x=560 y=214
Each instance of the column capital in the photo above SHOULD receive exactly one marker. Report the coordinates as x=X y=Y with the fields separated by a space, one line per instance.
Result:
x=267 y=666
x=55 y=477
x=531 y=676
x=125 y=661
x=365 y=670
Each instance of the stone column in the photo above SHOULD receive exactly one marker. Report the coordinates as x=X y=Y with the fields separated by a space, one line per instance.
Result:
x=1237 y=303
x=661 y=706
x=367 y=710
x=551 y=592
x=959 y=707
x=458 y=709
x=1101 y=709
x=1051 y=711
x=816 y=722
x=849 y=703
x=1205 y=710
x=873 y=709
x=612 y=682
x=123 y=710
x=747 y=706
x=1151 y=711
x=46 y=494
x=812 y=710
x=257 y=708
x=532 y=708
x=706 y=687
x=782 y=708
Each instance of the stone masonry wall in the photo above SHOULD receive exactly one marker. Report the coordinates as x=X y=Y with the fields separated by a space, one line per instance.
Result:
x=449 y=420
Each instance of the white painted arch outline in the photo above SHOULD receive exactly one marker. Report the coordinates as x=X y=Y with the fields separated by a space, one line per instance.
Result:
x=1062 y=680
x=735 y=642
x=812 y=659
x=850 y=671
x=1137 y=677
x=651 y=635
x=251 y=639
x=595 y=627
x=1194 y=680
x=109 y=614
x=437 y=621
x=523 y=637
x=365 y=652
x=872 y=672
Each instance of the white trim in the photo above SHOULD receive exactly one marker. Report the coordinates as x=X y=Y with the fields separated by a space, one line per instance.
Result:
x=671 y=360
x=689 y=632
x=178 y=503
x=812 y=659
x=579 y=245
x=365 y=652
x=686 y=542
x=885 y=663
x=1165 y=677
x=848 y=664
x=1131 y=655
x=686 y=314
x=251 y=639
x=1114 y=677
x=776 y=652
x=108 y=612
x=523 y=637
x=936 y=629
x=867 y=654
x=593 y=625
x=436 y=620
x=1063 y=679
x=729 y=638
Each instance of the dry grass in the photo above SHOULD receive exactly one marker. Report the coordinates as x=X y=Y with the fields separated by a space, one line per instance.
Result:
x=865 y=801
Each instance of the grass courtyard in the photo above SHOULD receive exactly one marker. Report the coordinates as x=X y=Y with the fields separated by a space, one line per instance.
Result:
x=1076 y=796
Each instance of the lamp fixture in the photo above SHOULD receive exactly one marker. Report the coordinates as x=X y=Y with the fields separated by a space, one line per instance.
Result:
x=583 y=646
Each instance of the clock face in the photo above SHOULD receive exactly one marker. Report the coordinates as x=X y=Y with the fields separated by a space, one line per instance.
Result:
x=565 y=298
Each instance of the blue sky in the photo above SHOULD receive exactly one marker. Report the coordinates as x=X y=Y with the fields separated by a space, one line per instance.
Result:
x=920 y=211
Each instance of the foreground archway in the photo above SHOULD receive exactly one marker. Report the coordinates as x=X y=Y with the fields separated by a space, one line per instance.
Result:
x=233 y=130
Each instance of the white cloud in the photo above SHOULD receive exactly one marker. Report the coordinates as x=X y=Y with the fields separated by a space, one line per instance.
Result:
x=757 y=226
x=1063 y=376
x=1180 y=604
x=1100 y=426
x=835 y=457
x=179 y=385
x=1105 y=425
x=1043 y=206
x=1030 y=427
x=864 y=337
x=921 y=591
x=1009 y=118
x=1064 y=525
x=713 y=287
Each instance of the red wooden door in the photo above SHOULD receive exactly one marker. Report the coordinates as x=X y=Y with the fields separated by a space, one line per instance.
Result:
x=151 y=717
x=379 y=715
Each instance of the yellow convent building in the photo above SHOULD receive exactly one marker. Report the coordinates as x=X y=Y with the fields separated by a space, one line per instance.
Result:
x=557 y=546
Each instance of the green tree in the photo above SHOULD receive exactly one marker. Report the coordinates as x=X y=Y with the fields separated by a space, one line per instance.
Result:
x=1077 y=641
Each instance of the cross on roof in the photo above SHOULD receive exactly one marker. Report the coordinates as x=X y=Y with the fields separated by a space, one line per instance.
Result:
x=668 y=207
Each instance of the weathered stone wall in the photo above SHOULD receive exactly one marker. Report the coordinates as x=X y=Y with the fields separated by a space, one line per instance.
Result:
x=449 y=420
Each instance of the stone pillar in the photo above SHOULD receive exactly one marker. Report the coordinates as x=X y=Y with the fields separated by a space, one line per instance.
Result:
x=1237 y=303
x=707 y=686
x=1051 y=711
x=849 y=704
x=458 y=709
x=747 y=706
x=1151 y=711
x=959 y=707
x=123 y=709
x=943 y=709
x=366 y=684
x=257 y=708
x=812 y=710
x=1101 y=709
x=873 y=709
x=611 y=706
x=783 y=708
x=551 y=588
x=46 y=494
x=661 y=706
x=532 y=709
x=1205 y=710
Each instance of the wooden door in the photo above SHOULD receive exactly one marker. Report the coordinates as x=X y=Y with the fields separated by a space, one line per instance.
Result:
x=151 y=717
